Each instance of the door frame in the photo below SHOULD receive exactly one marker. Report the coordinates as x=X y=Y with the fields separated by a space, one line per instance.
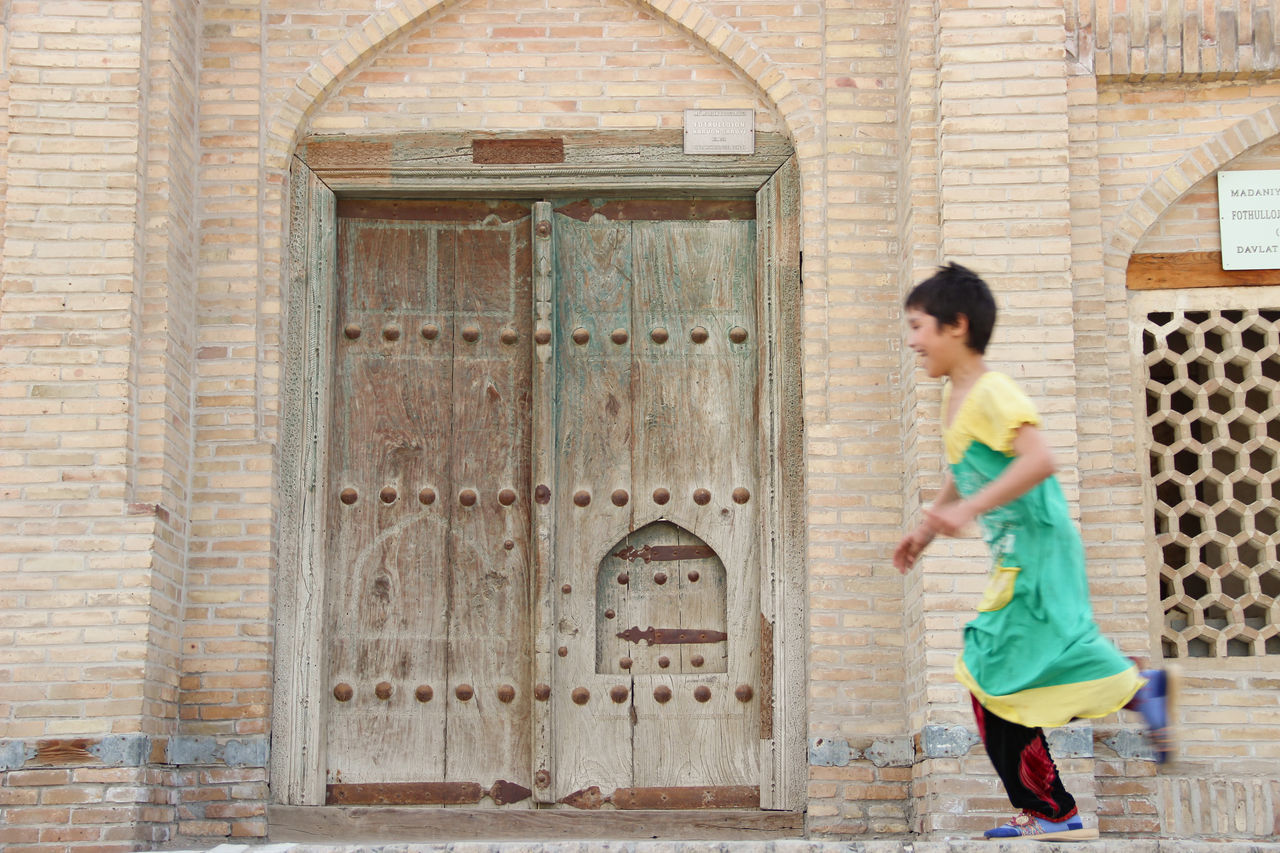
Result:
x=533 y=166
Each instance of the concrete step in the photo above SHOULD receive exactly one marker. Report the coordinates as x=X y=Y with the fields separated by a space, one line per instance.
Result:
x=1107 y=845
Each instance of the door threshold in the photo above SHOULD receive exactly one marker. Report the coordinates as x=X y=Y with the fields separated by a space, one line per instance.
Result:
x=426 y=823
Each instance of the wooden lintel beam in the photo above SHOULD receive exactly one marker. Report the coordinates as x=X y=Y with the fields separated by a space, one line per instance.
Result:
x=1169 y=270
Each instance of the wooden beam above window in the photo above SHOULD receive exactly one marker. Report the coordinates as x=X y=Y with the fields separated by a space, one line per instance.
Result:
x=1170 y=270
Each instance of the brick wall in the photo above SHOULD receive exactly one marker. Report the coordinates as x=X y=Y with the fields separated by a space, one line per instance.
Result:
x=78 y=579
x=919 y=223
x=94 y=319
x=565 y=66
x=1110 y=524
x=1226 y=712
x=1151 y=39
x=1133 y=149
x=142 y=203
x=1191 y=223
x=855 y=701
x=1226 y=124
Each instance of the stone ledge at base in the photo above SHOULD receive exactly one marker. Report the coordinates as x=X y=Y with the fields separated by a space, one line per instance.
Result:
x=1113 y=845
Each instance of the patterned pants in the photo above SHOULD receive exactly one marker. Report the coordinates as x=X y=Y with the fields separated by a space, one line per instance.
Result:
x=1021 y=758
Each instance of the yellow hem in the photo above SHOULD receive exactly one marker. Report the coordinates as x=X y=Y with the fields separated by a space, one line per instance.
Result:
x=1060 y=704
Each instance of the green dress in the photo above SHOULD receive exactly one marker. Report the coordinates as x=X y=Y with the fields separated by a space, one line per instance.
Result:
x=1033 y=655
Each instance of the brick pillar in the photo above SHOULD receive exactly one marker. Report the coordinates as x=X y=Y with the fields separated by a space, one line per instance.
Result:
x=96 y=272
x=1004 y=193
x=1111 y=519
x=68 y=328
x=225 y=689
x=860 y=752
x=918 y=222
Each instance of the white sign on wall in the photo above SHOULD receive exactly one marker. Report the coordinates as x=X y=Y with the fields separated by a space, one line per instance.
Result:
x=719 y=131
x=1249 y=219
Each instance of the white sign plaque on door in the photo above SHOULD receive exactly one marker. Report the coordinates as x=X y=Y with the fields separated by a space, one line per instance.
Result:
x=1249 y=219
x=719 y=131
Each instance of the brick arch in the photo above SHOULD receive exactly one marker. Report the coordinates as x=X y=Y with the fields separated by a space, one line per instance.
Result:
x=713 y=34
x=1177 y=179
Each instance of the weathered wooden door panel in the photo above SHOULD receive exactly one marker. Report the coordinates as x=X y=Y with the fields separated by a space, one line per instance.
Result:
x=653 y=430
x=427 y=579
x=386 y=554
x=664 y=418
x=697 y=401
x=387 y=268
x=488 y=694
x=593 y=501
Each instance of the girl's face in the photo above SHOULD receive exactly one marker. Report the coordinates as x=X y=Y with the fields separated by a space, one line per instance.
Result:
x=939 y=347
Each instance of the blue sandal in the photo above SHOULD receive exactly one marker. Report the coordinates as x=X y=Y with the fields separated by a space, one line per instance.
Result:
x=1156 y=701
x=1040 y=829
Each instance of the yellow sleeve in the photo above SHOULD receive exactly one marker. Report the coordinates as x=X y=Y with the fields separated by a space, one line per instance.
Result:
x=999 y=411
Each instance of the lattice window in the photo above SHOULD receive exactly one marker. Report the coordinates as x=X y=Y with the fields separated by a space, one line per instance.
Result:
x=1213 y=408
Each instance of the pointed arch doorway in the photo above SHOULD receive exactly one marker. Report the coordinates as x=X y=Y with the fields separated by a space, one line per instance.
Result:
x=516 y=422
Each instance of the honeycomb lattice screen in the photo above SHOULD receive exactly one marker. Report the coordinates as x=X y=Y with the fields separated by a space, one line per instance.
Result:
x=1213 y=408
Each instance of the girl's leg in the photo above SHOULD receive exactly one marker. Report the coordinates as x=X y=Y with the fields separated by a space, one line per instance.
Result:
x=1021 y=758
x=1155 y=700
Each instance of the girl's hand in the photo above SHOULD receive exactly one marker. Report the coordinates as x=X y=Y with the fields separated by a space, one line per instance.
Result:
x=908 y=550
x=949 y=520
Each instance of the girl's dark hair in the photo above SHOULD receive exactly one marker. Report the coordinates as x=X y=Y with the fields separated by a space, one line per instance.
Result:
x=954 y=290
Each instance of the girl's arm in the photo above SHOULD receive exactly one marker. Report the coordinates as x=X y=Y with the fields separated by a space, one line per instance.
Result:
x=946 y=495
x=1032 y=463
x=908 y=550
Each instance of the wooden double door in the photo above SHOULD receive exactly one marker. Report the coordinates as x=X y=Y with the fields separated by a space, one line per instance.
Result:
x=542 y=538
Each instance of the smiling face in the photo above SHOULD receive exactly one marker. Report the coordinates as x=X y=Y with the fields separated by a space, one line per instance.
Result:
x=940 y=347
